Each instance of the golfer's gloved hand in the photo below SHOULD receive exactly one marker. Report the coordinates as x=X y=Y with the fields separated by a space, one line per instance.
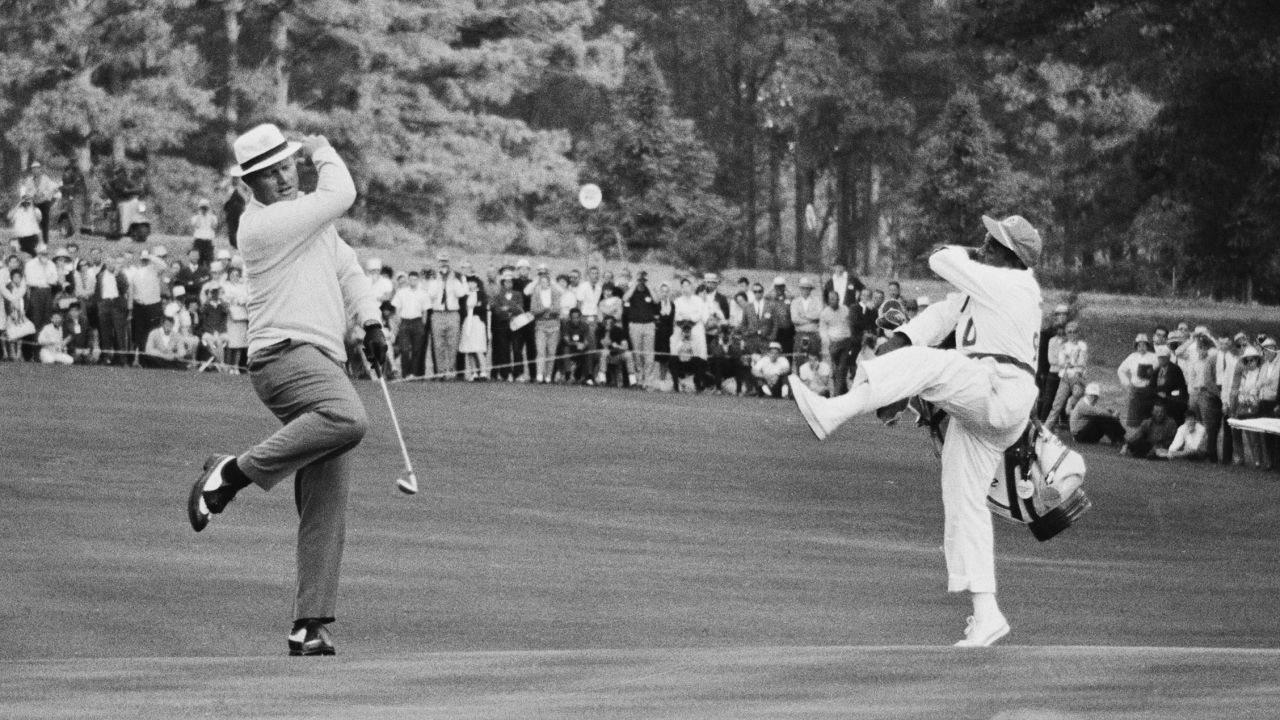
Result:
x=375 y=346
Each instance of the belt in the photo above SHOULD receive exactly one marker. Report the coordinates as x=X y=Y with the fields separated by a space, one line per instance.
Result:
x=1006 y=360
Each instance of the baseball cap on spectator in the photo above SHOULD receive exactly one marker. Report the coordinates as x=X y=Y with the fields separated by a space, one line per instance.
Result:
x=775 y=345
x=213 y=285
x=1142 y=338
x=1250 y=352
x=170 y=311
x=442 y=257
x=179 y=291
x=710 y=277
x=1093 y=389
x=373 y=265
x=62 y=253
x=779 y=280
x=543 y=269
x=507 y=275
x=35 y=164
x=805 y=282
x=1163 y=351
x=1240 y=338
x=217 y=267
x=1061 y=309
x=1202 y=331
x=204 y=202
x=43 y=249
x=522 y=262
x=223 y=254
x=1015 y=233
x=1269 y=343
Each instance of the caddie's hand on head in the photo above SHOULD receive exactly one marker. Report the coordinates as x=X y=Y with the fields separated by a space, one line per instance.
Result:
x=312 y=143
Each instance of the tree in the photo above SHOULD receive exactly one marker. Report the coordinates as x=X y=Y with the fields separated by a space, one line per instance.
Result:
x=656 y=174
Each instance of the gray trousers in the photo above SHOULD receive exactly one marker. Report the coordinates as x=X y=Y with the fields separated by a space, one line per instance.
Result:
x=323 y=419
x=444 y=337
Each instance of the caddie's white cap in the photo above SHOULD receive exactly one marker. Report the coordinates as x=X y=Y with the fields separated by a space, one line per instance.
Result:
x=1093 y=389
x=1015 y=233
x=259 y=148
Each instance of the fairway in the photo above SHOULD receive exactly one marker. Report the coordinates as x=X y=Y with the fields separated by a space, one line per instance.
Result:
x=597 y=553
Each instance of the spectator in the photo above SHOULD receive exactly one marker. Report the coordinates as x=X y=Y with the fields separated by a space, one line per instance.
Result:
x=165 y=347
x=862 y=319
x=1169 y=384
x=835 y=327
x=1053 y=328
x=42 y=281
x=18 y=325
x=588 y=291
x=772 y=371
x=85 y=280
x=1090 y=423
x=640 y=312
x=1268 y=388
x=25 y=220
x=204 y=225
x=236 y=292
x=816 y=374
x=43 y=191
x=690 y=315
x=1053 y=380
x=1228 y=359
x=53 y=343
x=473 y=342
x=445 y=293
x=784 y=331
x=215 y=315
x=848 y=287
x=506 y=305
x=1153 y=436
x=895 y=291
x=193 y=274
x=1190 y=442
x=111 y=297
x=616 y=364
x=1159 y=336
x=145 y=289
x=757 y=323
x=664 y=326
x=526 y=336
x=611 y=293
x=383 y=286
x=1073 y=362
x=738 y=306
x=577 y=347
x=684 y=361
x=1203 y=390
x=1243 y=405
x=75 y=330
x=727 y=358
x=410 y=302
x=1181 y=347
x=1135 y=374
x=232 y=209
x=806 y=313
x=711 y=281
x=545 y=303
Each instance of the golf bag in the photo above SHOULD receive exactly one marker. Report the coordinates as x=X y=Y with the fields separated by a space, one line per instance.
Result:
x=1040 y=485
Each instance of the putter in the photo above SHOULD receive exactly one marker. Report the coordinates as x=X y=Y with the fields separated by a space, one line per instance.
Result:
x=407 y=482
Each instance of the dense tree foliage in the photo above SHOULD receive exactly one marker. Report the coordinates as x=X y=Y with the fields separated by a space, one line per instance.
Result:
x=1142 y=137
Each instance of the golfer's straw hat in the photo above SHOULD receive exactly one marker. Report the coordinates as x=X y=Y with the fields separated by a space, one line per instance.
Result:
x=1015 y=233
x=260 y=148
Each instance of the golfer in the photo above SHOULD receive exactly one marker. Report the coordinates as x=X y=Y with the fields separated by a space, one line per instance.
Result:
x=987 y=385
x=304 y=282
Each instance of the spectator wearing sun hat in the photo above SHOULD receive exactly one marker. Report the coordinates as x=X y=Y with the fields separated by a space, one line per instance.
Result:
x=783 y=330
x=1170 y=384
x=772 y=370
x=204 y=226
x=1203 y=389
x=24 y=220
x=1135 y=374
x=42 y=279
x=806 y=315
x=1090 y=423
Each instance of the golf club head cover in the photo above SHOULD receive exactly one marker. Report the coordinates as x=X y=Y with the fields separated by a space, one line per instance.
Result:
x=375 y=345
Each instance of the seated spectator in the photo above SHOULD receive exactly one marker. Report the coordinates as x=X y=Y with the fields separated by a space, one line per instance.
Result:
x=79 y=338
x=772 y=371
x=1191 y=440
x=1153 y=436
x=53 y=344
x=1090 y=423
x=574 y=338
x=685 y=360
x=165 y=347
x=727 y=358
x=816 y=374
x=214 y=314
x=615 y=362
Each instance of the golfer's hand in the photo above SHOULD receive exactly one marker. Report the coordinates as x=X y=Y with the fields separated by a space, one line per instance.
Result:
x=895 y=342
x=312 y=143
x=375 y=346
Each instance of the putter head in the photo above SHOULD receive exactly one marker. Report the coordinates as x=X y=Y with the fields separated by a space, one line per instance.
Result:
x=407 y=483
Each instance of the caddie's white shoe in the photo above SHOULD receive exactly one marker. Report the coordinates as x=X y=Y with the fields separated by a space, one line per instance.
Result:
x=984 y=635
x=812 y=408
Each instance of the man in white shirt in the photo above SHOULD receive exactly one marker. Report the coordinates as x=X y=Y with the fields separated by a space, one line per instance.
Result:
x=166 y=347
x=305 y=283
x=43 y=191
x=204 y=225
x=772 y=370
x=383 y=287
x=111 y=297
x=847 y=286
x=145 y=287
x=53 y=344
x=986 y=384
x=588 y=291
x=410 y=304
x=42 y=278
x=445 y=291
x=806 y=312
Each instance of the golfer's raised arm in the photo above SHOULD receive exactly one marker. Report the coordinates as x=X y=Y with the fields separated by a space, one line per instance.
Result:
x=294 y=222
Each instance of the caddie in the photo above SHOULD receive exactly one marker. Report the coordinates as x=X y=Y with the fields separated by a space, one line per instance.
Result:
x=986 y=384
x=303 y=281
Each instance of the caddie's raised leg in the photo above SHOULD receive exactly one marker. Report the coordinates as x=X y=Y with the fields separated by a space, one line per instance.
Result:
x=968 y=464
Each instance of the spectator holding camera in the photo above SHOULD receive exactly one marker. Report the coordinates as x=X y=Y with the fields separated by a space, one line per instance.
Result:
x=806 y=316
x=1136 y=373
x=690 y=314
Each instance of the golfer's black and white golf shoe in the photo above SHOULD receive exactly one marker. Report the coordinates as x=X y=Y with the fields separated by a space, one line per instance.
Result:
x=310 y=637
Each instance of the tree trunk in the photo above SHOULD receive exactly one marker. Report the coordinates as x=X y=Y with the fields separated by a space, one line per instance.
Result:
x=279 y=53
x=870 y=217
x=750 y=192
x=777 y=146
x=804 y=195
x=846 y=211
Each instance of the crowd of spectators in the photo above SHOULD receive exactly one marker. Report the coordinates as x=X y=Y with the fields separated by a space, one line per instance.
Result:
x=1181 y=388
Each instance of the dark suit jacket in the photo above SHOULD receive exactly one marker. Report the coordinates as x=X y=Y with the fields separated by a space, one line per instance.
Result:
x=861 y=320
x=849 y=294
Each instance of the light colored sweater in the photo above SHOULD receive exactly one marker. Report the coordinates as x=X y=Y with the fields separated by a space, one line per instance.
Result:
x=304 y=280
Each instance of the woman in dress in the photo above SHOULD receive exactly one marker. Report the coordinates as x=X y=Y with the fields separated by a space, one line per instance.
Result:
x=236 y=292
x=474 y=336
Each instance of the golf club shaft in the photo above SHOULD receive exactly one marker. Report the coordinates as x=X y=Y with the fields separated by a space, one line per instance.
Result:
x=395 y=422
